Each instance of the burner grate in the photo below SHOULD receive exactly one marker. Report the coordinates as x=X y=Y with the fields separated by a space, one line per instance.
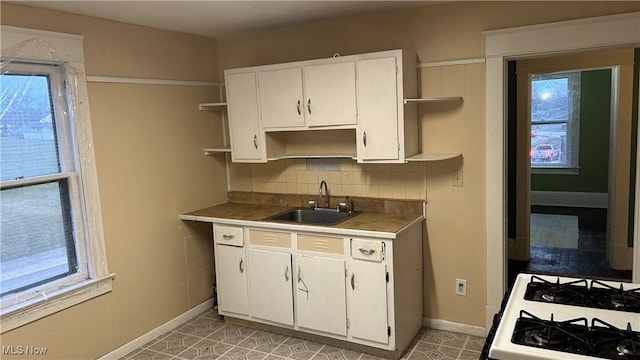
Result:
x=566 y=336
x=594 y=294
x=601 y=339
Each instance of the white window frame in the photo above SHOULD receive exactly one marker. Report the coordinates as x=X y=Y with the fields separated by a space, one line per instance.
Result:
x=573 y=124
x=65 y=50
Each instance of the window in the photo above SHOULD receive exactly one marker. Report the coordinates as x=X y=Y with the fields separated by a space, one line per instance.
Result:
x=555 y=114
x=51 y=246
x=39 y=197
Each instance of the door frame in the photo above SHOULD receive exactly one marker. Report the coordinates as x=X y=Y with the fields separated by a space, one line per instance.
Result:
x=564 y=37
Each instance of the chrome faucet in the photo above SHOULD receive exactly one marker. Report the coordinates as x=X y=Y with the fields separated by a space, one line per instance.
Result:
x=326 y=194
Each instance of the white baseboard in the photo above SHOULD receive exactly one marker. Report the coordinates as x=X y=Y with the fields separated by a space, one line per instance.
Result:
x=138 y=342
x=454 y=327
x=570 y=199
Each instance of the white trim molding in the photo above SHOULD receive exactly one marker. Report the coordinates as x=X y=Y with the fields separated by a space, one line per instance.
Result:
x=621 y=30
x=570 y=199
x=145 y=81
x=438 y=324
x=606 y=31
x=452 y=62
x=169 y=325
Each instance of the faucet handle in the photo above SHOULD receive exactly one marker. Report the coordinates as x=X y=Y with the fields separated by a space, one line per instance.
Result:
x=313 y=203
x=340 y=205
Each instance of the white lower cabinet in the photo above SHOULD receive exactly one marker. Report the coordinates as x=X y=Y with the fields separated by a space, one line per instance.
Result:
x=270 y=283
x=368 y=317
x=320 y=294
x=361 y=290
x=231 y=277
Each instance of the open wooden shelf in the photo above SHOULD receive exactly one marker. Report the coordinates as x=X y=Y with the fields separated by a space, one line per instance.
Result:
x=212 y=106
x=217 y=149
x=433 y=100
x=433 y=157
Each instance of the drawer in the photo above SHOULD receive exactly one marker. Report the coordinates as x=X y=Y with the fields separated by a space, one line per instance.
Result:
x=228 y=235
x=323 y=244
x=270 y=238
x=371 y=250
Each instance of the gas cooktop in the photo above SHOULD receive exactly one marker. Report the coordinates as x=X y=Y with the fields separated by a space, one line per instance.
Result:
x=548 y=317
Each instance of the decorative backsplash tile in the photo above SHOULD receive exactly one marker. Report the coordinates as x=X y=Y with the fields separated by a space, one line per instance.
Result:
x=294 y=176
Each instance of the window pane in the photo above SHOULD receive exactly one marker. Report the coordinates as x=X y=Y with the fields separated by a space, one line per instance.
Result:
x=27 y=127
x=549 y=145
x=36 y=235
x=549 y=99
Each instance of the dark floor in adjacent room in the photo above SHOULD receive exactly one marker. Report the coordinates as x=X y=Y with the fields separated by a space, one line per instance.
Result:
x=588 y=260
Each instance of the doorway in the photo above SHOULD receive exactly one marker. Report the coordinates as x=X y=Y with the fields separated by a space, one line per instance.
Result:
x=614 y=31
x=566 y=165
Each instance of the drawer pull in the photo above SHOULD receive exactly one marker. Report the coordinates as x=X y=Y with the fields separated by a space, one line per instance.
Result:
x=241 y=266
x=353 y=287
x=228 y=237
x=286 y=273
x=366 y=251
x=298 y=108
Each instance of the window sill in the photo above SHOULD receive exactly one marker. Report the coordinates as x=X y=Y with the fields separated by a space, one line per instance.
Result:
x=17 y=315
x=554 y=171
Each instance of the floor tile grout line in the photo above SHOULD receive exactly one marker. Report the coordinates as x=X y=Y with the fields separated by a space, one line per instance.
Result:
x=466 y=341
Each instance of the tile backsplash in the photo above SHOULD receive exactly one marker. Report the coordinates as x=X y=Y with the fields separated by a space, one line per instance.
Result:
x=343 y=177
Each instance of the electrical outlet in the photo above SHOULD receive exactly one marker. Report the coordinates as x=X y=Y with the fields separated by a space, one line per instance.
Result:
x=457 y=179
x=461 y=287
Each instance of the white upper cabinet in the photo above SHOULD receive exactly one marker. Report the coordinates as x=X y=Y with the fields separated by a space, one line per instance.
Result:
x=281 y=99
x=377 y=135
x=247 y=138
x=314 y=95
x=362 y=94
x=330 y=94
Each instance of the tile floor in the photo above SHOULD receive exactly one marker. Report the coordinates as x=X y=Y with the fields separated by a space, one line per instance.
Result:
x=207 y=337
x=588 y=260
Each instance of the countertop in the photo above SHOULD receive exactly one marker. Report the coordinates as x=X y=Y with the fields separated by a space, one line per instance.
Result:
x=363 y=222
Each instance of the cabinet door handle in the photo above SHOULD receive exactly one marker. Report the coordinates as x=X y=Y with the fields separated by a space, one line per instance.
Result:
x=309 y=106
x=364 y=139
x=286 y=273
x=353 y=286
x=366 y=251
x=298 y=107
x=255 y=141
x=228 y=237
x=299 y=278
x=241 y=265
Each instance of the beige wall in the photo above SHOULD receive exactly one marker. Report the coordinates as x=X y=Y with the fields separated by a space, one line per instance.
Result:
x=148 y=141
x=455 y=244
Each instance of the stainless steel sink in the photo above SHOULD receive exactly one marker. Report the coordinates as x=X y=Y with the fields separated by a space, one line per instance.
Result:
x=313 y=216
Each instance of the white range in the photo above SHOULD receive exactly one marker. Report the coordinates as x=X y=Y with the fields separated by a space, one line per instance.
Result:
x=550 y=317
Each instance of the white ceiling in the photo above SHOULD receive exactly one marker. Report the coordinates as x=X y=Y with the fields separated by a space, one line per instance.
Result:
x=216 y=18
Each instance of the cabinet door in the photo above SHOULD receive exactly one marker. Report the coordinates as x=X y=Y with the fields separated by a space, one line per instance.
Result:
x=281 y=101
x=270 y=281
x=377 y=134
x=367 y=289
x=231 y=279
x=247 y=141
x=330 y=94
x=320 y=294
